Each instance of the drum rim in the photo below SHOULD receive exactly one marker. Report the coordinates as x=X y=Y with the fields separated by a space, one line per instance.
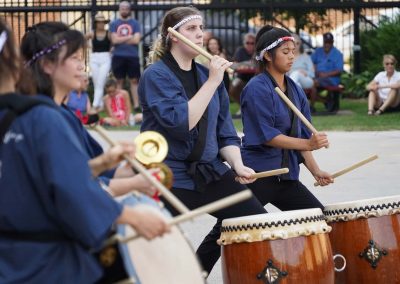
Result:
x=362 y=206
x=273 y=224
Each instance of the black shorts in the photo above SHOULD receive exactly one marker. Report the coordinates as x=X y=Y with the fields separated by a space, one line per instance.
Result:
x=125 y=66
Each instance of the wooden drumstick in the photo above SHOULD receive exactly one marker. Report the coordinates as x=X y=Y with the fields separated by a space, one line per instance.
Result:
x=296 y=111
x=194 y=46
x=352 y=167
x=270 y=173
x=209 y=208
x=141 y=169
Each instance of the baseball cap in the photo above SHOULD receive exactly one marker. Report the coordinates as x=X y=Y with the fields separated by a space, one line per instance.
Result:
x=328 y=37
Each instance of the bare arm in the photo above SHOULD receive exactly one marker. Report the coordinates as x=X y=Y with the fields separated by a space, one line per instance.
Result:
x=127 y=106
x=232 y=155
x=131 y=39
x=286 y=142
x=200 y=101
x=322 y=177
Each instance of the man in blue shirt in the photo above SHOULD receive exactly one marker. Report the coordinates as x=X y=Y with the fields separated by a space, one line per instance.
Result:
x=328 y=65
x=125 y=36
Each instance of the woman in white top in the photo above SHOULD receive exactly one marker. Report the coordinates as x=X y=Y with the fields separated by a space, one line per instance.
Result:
x=384 y=89
x=302 y=71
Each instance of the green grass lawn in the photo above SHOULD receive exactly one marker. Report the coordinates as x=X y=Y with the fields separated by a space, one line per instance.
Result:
x=354 y=119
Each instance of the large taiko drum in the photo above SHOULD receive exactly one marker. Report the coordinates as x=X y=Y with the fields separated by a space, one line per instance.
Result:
x=367 y=233
x=284 y=247
x=169 y=259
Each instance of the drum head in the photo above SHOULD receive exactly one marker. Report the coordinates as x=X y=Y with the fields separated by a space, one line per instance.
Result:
x=271 y=226
x=168 y=259
x=365 y=208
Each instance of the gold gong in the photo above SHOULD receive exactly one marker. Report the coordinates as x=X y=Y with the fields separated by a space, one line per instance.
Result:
x=151 y=147
x=165 y=175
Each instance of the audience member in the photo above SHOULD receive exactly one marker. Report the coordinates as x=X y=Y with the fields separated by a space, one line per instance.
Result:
x=384 y=89
x=302 y=71
x=243 y=74
x=78 y=100
x=118 y=106
x=125 y=36
x=100 y=58
x=328 y=63
x=214 y=47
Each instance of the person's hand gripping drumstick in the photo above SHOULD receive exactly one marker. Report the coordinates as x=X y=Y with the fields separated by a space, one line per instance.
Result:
x=318 y=139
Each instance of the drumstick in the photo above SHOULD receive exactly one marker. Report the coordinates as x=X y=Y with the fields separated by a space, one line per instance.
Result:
x=352 y=167
x=209 y=208
x=270 y=173
x=135 y=164
x=296 y=111
x=194 y=46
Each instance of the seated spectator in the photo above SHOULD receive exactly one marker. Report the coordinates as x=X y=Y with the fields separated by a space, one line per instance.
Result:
x=214 y=47
x=118 y=106
x=302 y=71
x=245 y=69
x=384 y=89
x=78 y=100
x=328 y=65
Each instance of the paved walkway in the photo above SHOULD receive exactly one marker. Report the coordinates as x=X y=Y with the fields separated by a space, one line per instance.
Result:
x=376 y=179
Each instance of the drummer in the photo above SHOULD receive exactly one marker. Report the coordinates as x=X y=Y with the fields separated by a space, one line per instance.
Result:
x=188 y=104
x=117 y=181
x=51 y=209
x=274 y=137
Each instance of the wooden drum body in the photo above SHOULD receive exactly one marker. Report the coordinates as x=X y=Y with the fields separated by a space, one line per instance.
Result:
x=284 y=247
x=367 y=234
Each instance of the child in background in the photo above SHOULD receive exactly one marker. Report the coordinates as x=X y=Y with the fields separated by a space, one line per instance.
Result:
x=118 y=106
x=78 y=100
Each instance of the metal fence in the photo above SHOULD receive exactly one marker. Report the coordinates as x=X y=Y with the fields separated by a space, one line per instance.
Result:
x=228 y=20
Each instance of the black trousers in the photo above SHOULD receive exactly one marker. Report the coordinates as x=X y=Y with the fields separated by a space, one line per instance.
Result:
x=286 y=195
x=209 y=251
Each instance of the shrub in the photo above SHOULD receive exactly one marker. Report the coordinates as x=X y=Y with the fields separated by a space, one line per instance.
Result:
x=355 y=84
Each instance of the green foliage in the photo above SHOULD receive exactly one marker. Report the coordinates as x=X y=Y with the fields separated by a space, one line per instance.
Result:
x=355 y=84
x=375 y=43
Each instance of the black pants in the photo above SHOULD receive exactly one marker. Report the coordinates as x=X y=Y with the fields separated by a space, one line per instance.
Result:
x=209 y=251
x=284 y=194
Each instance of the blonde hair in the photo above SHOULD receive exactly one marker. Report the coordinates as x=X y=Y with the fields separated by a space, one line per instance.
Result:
x=162 y=44
x=390 y=57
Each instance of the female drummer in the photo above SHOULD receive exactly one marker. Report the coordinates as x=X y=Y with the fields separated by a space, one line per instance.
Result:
x=188 y=104
x=274 y=137
x=51 y=209
x=118 y=181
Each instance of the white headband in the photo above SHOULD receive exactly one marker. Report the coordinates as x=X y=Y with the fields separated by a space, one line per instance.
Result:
x=3 y=38
x=272 y=45
x=185 y=20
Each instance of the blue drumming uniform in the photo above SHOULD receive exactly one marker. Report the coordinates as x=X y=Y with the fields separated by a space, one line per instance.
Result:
x=165 y=110
x=265 y=116
x=89 y=144
x=46 y=190
x=164 y=99
x=327 y=62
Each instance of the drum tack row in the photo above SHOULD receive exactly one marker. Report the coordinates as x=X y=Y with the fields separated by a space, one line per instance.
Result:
x=300 y=246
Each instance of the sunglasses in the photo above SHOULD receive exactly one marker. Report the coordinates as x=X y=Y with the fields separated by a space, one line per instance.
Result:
x=389 y=63
x=249 y=42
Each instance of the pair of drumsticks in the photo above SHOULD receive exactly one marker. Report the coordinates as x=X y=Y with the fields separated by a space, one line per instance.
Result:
x=286 y=100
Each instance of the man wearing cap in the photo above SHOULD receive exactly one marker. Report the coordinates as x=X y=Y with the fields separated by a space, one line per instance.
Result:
x=328 y=63
x=125 y=36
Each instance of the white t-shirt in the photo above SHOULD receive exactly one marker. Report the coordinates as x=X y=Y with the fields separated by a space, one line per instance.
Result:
x=382 y=79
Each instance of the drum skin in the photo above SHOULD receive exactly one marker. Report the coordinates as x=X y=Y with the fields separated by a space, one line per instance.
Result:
x=305 y=259
x=350 y=238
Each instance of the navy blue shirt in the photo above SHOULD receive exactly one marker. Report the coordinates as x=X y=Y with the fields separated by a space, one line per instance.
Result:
x=165 y=110
x=265 y=115
x=125 y=28
x=46 y=186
